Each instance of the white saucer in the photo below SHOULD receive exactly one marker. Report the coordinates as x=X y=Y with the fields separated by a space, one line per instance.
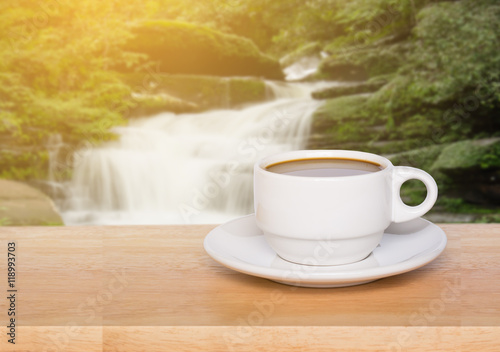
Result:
x=240 y=245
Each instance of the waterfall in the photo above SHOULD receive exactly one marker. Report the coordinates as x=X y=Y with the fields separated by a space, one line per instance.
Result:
x=303 y=67
x=187 y=168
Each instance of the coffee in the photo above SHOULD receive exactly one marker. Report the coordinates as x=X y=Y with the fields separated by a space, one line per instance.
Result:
x=324 y=167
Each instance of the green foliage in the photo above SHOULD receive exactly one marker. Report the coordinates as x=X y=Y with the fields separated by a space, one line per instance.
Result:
x=491 y=159
x=57 y=73
x=23 y=163
x=258 y=20
x=346 y=25
x=445 y=78
x=454 y=66
x=457 y=46
x=55 y=77
x=184 y=48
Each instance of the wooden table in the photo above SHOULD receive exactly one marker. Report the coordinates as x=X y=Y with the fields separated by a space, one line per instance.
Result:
x=154 y=288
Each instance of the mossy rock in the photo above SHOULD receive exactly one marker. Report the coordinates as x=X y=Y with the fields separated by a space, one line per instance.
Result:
x=348 y=123
x=307 y=50
x=365 y=143
x=477 y=154
x=351 y=89
x=186 y=48
x=401 y=35
x=420 y=125
x=339 y=109
x=422 y=158
x=204 y=92
x=364 y=63
x=149 y=104
x=345 y=120
x=339 y=70
x=246 y=90
x=22 y=205
x=473 y=170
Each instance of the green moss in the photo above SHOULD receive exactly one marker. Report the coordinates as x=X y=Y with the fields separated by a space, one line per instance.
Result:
x=420 y=125
x=346 y=119
x=422 y=158
x=244 y=91
x=342 y=108
x=333 y=68
x=180 y=47
x=339 y=91
x=467 y=154
x=365 y=63
x=388 y=147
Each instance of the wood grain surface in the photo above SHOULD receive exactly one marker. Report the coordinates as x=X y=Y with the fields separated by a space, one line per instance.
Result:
x=153 y=288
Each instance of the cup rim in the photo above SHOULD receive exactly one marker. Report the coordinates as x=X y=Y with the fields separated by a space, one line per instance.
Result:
x=261 y=165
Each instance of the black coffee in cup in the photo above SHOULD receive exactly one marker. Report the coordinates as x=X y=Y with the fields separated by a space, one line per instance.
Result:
x=324 y=167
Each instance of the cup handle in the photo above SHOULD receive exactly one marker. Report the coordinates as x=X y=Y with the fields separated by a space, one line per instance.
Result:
x=402 y=212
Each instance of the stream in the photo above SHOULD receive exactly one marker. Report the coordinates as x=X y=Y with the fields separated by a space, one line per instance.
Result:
x=187 y=168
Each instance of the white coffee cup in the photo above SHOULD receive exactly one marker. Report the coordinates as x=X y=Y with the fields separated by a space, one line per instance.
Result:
x=332 y=220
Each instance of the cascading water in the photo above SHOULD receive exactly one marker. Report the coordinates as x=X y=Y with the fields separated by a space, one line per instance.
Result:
x=186 y=168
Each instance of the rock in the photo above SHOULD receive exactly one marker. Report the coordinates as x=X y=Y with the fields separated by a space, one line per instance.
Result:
x=338 y=70
x=184 y=48
x=339 y=109
x=365 y=62
x=247 y=90
x=149 y=104
x=343 y=122
x=347 y=123
x=387 y=147
x=351 y=89
x=468 y=154
x=22 y=205
x=396 y=37
x=473 y=168
x=198 y=92
x=422 y=158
